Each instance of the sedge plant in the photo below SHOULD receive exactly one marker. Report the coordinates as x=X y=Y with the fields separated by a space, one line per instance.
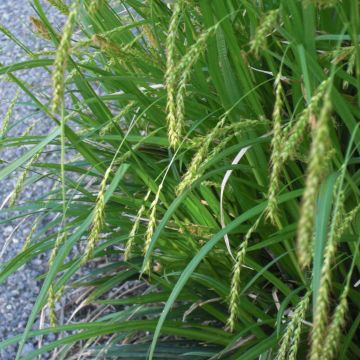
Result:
x=152 y=103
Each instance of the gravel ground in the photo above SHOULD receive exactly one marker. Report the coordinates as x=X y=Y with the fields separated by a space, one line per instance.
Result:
x=19 y=292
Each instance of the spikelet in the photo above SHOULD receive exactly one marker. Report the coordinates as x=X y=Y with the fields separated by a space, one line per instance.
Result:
x=267 y=24
x=197 y=230
x=124 y=55
x=123 y=158
x=52 y=306
x=276 y=145
x=296 y=133
x=21 y=179
x=170 y=75
x=318 y=154
x=150 y=36
x=211 y=184
x=347 y=54
x=238 y=129
x=8 y=114
x=291 y=338
x=193 y=171
x=104 y=35
x=98 y=219
x=299 y=316
x=151 y=226
x=184 y=69
x=135 y=228
x=337 y=323
x=349 y=69
x=232 y=129
x=52 y=296
x=31 y=233
x=221 y=131
x=61 y=57
x=29 y=129
x=136 y=54
x=322 y=301
x=234 y=297
x=59 y=241
x=235 y=286
x=322 y=304
x=40 y=28
x=339 y=55
x=60 y=5
x=203 y=144
x=345 y=222
x=104 y=43
x=108 y=127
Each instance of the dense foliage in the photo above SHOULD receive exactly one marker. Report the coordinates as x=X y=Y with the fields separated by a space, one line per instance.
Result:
x=208 y=172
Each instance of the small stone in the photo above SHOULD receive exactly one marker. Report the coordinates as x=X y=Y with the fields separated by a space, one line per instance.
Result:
x=51 y=337
x=28 y=348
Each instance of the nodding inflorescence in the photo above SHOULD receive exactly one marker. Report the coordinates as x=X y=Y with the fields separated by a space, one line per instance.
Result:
x=267 y=25
x=60 y=5
x=290 y=340
x=61 y=58
x=135 y=227
x=151 y=225
x=170 y=75
x=315 y=173
x=204 y=145
x=234 y=297
x=98 y=218
x=276 y=147
x=40 y=28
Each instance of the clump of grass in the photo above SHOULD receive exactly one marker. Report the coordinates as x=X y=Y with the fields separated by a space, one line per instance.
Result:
x=169 y=91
